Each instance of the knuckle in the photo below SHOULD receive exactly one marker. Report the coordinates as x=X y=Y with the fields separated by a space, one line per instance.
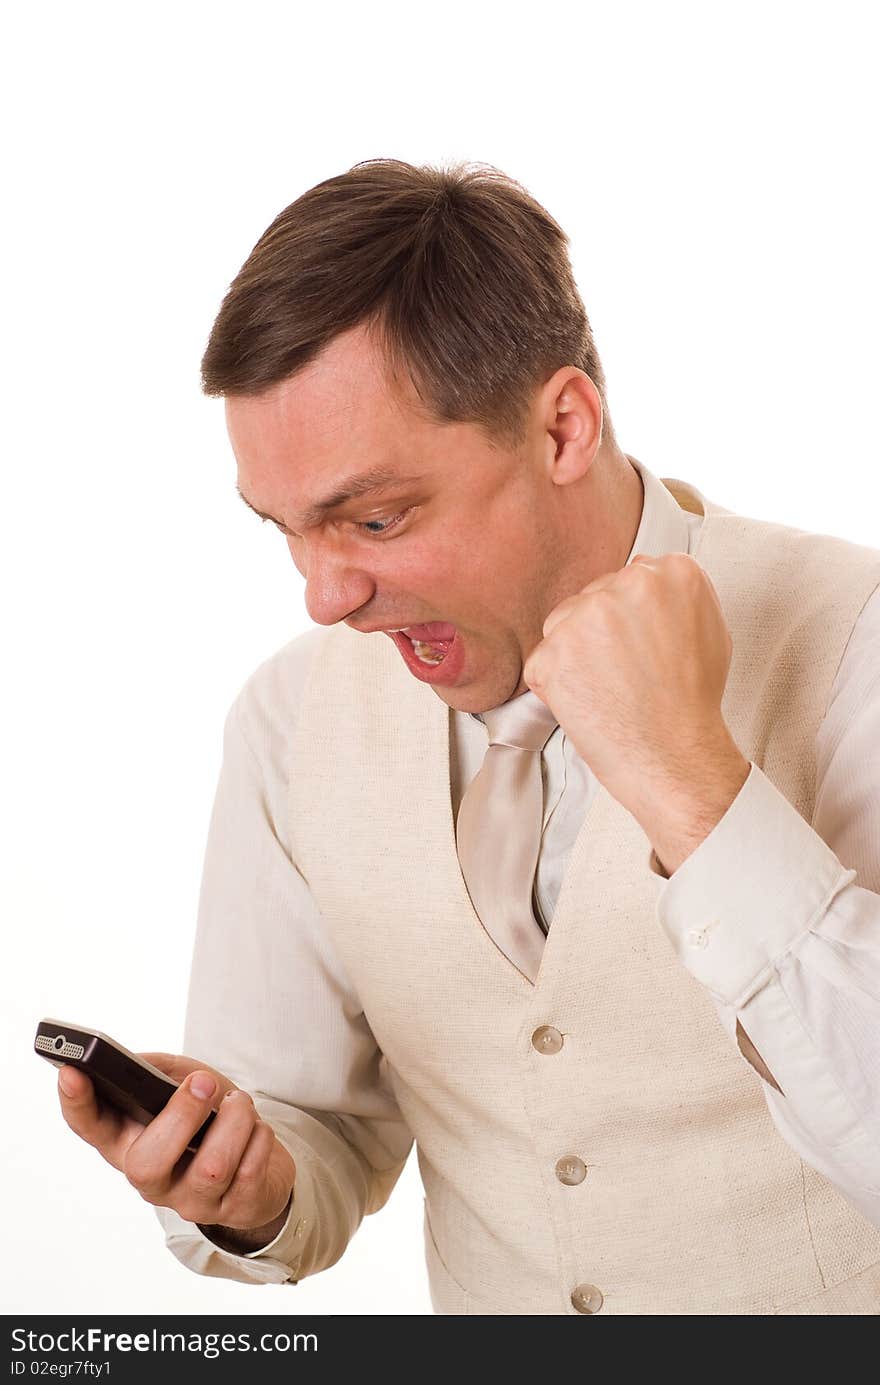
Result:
x=247 y=1180
x=637 y=574
x=604 y=610
x=150 y=1196
x=533 y=673
x=145 y=1173
x=259 y=1151
x=197 y=1210
x=148 y=1185
x=136 y=1169
x=684 y=566
x=206 y=1178
x=262 y=1138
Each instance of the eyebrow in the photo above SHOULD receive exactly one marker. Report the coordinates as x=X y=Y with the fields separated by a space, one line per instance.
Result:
x=377 y=479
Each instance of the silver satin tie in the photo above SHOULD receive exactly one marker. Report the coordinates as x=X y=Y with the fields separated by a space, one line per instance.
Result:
x=498 y=828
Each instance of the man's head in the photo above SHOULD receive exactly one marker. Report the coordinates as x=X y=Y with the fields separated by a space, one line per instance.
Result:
x=423 y=326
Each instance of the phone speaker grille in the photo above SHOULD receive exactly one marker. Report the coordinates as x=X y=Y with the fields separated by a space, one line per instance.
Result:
x=67 y=1049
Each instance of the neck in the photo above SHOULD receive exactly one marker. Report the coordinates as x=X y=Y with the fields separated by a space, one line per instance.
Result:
x=632 y=497
x=599 y=524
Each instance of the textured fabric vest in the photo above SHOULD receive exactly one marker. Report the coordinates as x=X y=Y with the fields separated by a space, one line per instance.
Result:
x=693 y=1202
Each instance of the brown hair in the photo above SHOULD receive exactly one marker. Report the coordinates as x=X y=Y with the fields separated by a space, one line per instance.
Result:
x=463 y=276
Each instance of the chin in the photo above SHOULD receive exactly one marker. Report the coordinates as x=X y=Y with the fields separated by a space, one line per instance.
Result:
x=461 y=701
x=481 y=701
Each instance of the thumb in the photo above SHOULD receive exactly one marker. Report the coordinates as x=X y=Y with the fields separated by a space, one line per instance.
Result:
x=530 y=667
x=177 y=1066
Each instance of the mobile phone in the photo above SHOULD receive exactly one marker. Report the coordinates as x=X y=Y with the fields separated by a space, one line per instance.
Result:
x=121 y=1078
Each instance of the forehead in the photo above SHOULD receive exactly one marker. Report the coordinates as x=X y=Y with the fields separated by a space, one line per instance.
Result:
x=339 y=411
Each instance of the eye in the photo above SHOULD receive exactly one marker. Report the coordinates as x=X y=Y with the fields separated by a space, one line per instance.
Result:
x=366 y=526
x=392 y=523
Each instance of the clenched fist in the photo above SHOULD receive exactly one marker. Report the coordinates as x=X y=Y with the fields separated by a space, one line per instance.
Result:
x=634 y=668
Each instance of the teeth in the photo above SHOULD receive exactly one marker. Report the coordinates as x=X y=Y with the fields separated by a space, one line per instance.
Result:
x=426 y=653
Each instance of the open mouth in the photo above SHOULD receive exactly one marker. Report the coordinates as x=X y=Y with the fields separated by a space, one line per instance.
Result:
x=430 y=643
x=434 y=653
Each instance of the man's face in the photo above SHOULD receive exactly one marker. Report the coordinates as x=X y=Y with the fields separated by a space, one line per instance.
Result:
x=465 y=532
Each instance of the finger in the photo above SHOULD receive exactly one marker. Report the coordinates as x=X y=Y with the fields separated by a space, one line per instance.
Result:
x=257 y=1151
x=216 y=1163
x=244 y=1199
x=100 y=1125
x=598 y=584
x=558 y=615
x=150 y=1159
x=569 y=604
x=178 y=1067
x=244 y=1202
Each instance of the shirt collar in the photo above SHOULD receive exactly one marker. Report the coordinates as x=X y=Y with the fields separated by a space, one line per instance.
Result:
x=663 y=527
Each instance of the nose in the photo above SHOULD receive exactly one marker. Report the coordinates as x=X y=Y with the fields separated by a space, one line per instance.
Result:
x=335 y=587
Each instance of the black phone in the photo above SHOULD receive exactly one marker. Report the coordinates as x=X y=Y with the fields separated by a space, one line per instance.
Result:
x=121 y=1078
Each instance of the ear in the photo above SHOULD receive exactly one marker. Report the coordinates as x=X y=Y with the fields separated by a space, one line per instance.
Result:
x=573 y=419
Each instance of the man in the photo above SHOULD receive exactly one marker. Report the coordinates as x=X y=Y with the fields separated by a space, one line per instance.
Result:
x=558 y=701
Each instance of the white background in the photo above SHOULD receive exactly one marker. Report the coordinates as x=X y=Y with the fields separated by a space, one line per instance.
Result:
x=715 y=168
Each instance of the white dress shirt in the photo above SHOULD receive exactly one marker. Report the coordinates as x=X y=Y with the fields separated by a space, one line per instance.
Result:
x=815 y=1020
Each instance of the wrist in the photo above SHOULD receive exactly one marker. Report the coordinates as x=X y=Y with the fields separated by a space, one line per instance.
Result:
x=243 y=1241
x=689 y=811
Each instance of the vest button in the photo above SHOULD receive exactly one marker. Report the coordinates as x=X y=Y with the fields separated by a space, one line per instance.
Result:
x=571 y=1170
x=587 y=1299
x=546 y=1039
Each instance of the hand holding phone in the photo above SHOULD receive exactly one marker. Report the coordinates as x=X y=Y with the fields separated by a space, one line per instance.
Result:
x=122 y=1079
x=239 y=1177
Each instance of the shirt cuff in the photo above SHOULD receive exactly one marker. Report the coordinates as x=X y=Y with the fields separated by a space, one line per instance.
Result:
x=293 y=1223
x=281 y=1257
x=756 y=884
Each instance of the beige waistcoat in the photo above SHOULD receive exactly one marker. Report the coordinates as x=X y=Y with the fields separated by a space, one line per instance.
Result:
x=693 y=1202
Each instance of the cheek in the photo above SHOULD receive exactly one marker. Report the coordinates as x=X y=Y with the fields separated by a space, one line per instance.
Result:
x=425 y=566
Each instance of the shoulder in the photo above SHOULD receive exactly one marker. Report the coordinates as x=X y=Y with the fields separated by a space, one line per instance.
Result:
x=858 y=675
x=723 y=529
x=266 y=708
x=798 y=591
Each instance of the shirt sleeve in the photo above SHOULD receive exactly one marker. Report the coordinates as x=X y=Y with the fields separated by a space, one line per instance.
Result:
x=780 y=920
x=270 y=1006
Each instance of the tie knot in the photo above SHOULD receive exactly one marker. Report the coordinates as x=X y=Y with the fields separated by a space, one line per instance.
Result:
x=524 y=722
